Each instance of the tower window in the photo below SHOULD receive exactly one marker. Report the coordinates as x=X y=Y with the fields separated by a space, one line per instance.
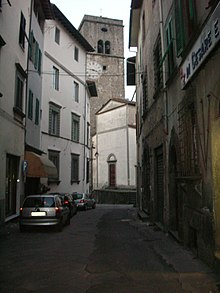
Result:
x=107 y=47
x=104 y=29
x=100 y=46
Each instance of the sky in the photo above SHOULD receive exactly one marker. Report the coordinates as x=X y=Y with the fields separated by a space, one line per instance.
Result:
x=116 y=9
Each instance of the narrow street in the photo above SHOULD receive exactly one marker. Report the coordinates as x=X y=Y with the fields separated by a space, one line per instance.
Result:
x=103 y=250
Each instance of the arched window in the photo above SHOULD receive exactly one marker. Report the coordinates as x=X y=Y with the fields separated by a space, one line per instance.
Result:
x=107 y=47
x=112 y=170
x=100 y=46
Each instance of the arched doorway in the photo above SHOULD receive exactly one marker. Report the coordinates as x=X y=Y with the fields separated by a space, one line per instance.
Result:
x=112 y=170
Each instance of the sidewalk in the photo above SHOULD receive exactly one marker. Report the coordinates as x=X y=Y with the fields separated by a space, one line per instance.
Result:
x=181 y=259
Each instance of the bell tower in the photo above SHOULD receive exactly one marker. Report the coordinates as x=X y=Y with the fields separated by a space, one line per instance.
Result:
x=105 y=65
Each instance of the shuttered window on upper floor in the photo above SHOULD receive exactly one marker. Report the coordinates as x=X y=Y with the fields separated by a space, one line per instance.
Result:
x=185 y=22
x=54 y=119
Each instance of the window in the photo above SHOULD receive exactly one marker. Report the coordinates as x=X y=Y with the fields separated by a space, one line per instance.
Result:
x=75 y=127
x=185 y=20
x=22 y=31
x=19 y=91
x=87 y=170
x=170 y=48
x=107 y=47
x=37 y=112
x=145 y=92
x=76 y=54
x=74 y=168
x=54 y=119
x=55 y=78
x=35 y=54
x=157 y=56
x=57 y=35
x=76 y=91
x=100 y=46
x=54 y=156
x=88 y=134
x=30 y=105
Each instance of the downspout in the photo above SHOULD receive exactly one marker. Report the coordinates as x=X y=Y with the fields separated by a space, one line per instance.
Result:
x=165 y=100
x=84 y=143
x=128 y=151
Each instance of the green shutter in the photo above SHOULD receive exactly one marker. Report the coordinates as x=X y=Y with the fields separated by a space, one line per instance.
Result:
x=37 y=112
x=179 y=27
x=30 y=105
x=36 y=55
x=31 y=46
x=39 y=61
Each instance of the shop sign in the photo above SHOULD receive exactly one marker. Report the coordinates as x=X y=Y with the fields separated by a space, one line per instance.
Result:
x=207 y=40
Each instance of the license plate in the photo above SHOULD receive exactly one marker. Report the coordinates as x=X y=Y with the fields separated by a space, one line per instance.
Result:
x=38 y=214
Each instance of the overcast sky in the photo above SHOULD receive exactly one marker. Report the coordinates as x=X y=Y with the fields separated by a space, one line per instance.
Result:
x=117 y=9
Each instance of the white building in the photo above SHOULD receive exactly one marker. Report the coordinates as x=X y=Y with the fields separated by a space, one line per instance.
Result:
x=65 y=109
x=14 y=25
x=114 y=146
x=36 y=162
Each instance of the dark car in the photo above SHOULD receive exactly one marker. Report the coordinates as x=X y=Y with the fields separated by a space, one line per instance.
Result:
x=67 y=199
x=84 y=201
x=43 y=210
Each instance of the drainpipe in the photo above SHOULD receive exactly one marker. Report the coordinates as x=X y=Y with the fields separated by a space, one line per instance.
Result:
x=128 y=154
x=84 y=138
x=165 y=99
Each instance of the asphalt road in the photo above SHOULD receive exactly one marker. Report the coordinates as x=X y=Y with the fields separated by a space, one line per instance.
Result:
x=103 y=250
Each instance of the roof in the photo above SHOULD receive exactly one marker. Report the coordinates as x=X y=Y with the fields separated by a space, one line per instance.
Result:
x=119 y=100
x=71 y=29
x=47 y=9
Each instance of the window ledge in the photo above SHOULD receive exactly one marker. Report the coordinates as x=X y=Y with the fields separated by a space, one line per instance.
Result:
x=75 y=181
x=54 y=181
x=19 y=112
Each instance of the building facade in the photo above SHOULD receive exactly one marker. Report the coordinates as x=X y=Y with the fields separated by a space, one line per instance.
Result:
x=14 y=24
x=105 y=65
x=177 y=80
x=66 y=105
x=114 y=151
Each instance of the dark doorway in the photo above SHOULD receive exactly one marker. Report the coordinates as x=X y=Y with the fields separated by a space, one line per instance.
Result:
x=159 y=184
x=12 y=165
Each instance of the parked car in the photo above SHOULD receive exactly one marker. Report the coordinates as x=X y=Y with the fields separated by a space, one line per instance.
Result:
x=44 y=210
x=67 y=199
x=84 y=201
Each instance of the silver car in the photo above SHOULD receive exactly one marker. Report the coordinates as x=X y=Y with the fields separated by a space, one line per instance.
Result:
x=84 y=201
x=43 y=210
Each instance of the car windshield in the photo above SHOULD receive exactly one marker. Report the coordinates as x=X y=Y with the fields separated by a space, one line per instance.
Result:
x=78 y=196
x=39 y=202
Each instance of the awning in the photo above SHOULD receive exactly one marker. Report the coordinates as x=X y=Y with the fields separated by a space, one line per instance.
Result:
x=39 y=166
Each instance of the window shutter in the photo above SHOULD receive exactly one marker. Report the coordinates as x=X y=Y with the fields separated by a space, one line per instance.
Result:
x=39 y=61
x=50 y=120
x=31 y=46
x=179 y=27
x=37 y=111
x=36 y=55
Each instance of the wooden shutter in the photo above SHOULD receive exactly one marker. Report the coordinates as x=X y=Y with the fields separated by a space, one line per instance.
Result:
x=179 y=27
